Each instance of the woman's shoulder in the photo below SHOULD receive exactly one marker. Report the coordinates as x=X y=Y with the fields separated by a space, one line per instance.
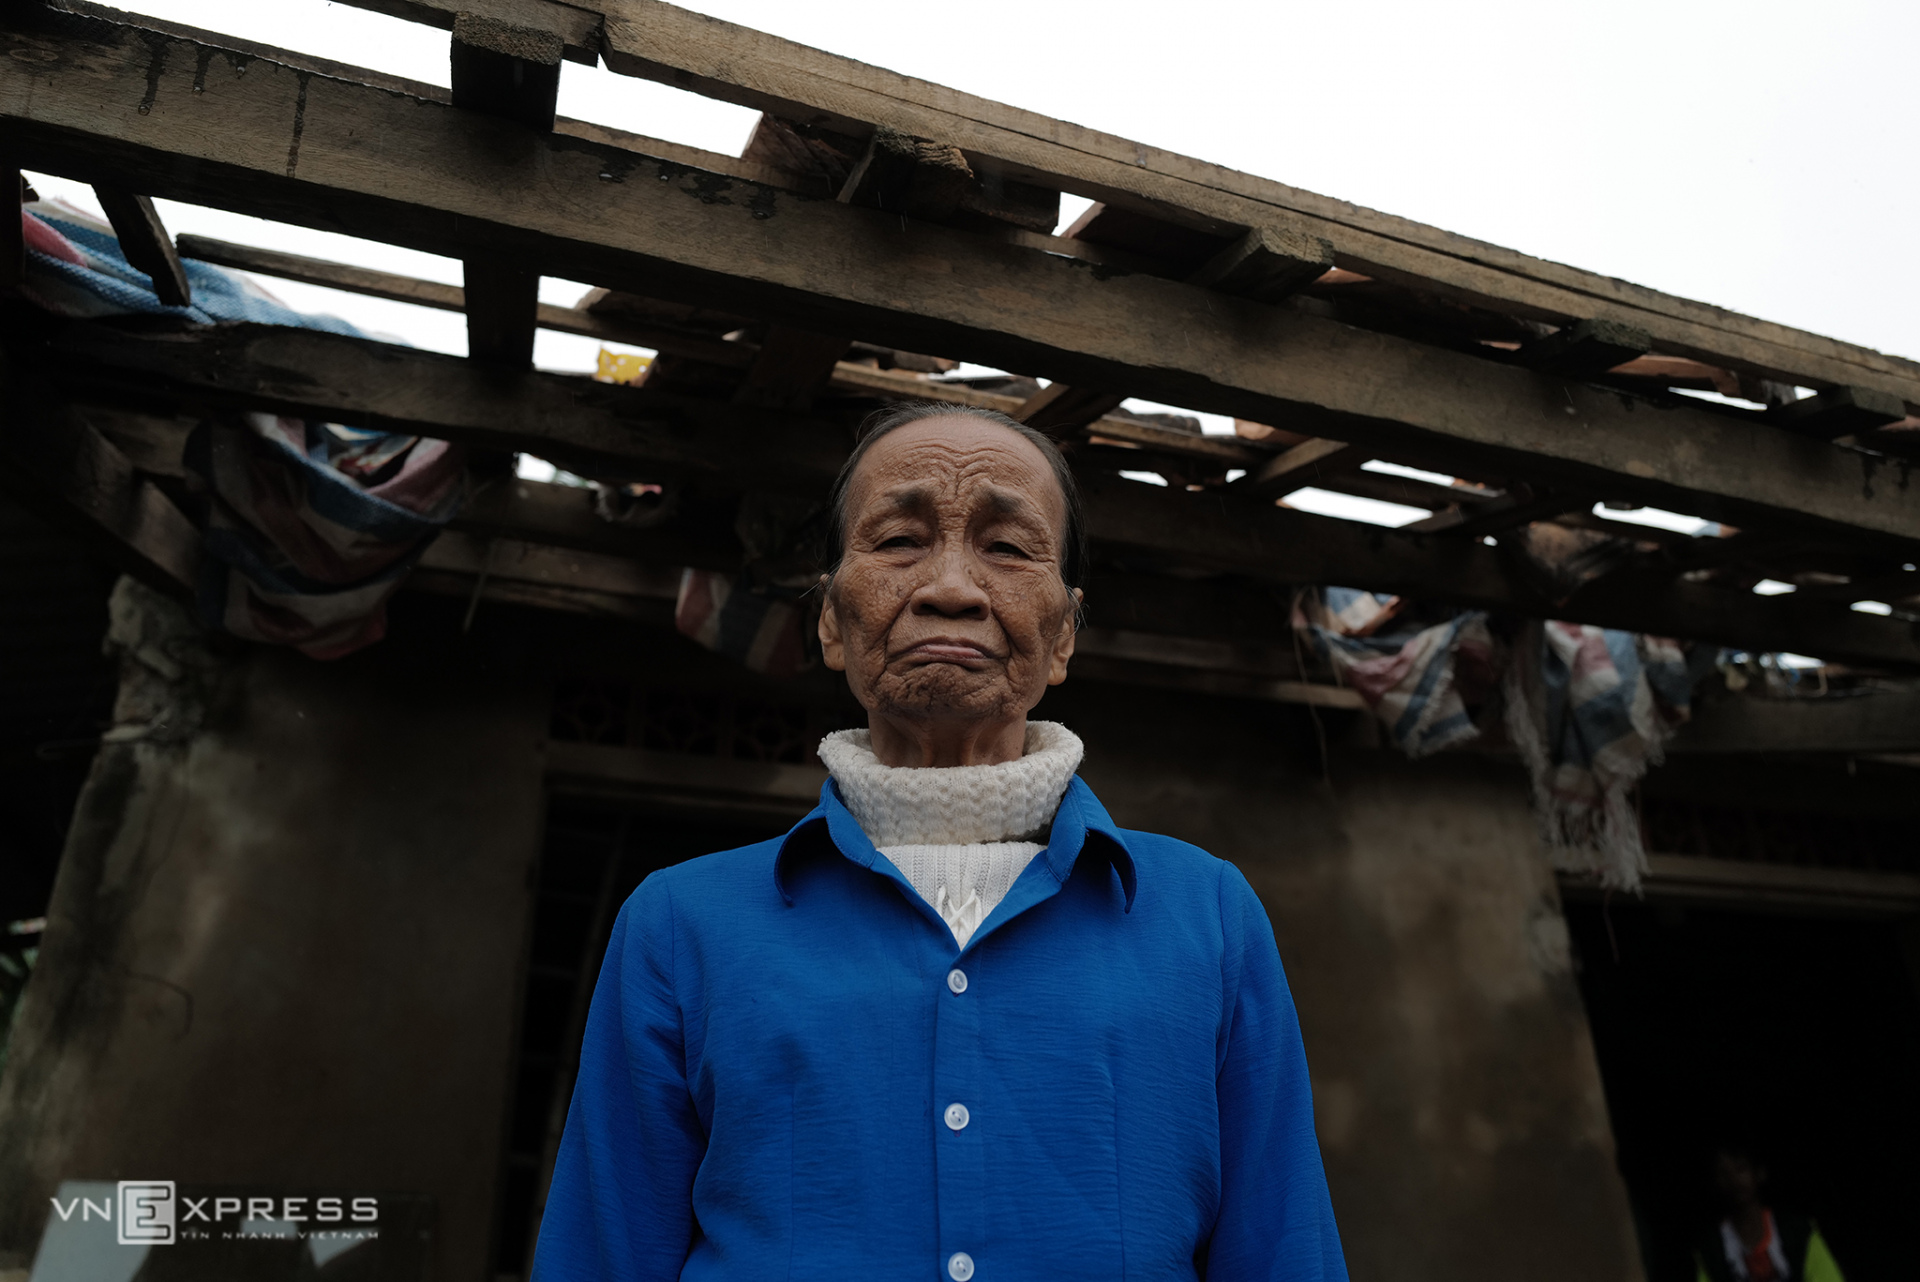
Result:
x=1173 y=865
x=718 y=878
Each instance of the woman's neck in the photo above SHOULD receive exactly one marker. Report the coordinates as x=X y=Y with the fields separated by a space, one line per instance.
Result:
x=939 y=743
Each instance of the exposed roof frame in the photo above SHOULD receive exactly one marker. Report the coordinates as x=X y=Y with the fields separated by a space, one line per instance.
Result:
x=378 y=164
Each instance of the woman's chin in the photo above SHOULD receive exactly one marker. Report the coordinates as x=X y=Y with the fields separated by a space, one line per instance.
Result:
x=945 y=691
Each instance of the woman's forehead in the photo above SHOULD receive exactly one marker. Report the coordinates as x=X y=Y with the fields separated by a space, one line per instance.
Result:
x=952 y=450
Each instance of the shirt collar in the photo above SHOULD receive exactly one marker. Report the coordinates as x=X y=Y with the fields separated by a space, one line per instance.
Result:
x=1080 y=824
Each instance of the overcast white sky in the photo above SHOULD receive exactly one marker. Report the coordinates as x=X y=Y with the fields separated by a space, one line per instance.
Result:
x=1755 y=155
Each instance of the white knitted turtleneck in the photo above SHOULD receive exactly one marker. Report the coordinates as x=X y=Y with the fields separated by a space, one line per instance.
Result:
x=960 y=835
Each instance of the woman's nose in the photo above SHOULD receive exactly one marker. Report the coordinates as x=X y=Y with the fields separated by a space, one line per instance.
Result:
x=950 y=588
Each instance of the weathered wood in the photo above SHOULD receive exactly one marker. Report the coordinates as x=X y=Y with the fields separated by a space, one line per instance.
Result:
x=636 y=433
x=1266 y=265
x=1497 y=514
x=503 y=304
x=427 y=293
x=145 y=244
x=1874 y=720
x=602 y=429
x=512 y=73
x=540 y=576
x=736 y=64
x=63 y=466
x=1586 y=350
x=1308 y=463
x=1228 y=452
x=423 y=175
x=1840 y=411
x=567 y=516
x=579 y=27
x=1278 y=544
x=1094 y=666
x=910 y=176
x=1060 y=410
x=1028 y=206
x=793 y=367
x=506 y=70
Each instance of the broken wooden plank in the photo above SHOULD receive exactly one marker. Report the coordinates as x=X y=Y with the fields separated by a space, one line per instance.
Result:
x=1307 y=463
x=144 y=243
x=424 y=175
x=428 y=293
x=1585 y=350
x=1278 y=544
x=1061 y=410
x=1497 y=514
x=568 y=516
x=578 y=26
x=1266 y=265
x=602 y=429
x=638 y=434
x=792 y=367
x=736 y=64
x=1226 y=451
x=913 y=177
x=1840 y=411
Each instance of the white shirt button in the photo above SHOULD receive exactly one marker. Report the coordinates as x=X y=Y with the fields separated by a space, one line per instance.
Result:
x=957 y=980
x=958 y=1117
x=959 y=1266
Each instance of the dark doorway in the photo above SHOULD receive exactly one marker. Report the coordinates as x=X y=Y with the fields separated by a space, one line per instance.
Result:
x=1800 y=1036
x=595 y=854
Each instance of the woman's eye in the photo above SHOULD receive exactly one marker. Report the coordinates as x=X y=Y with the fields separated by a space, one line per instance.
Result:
x=897 y=541
x=1004 y=548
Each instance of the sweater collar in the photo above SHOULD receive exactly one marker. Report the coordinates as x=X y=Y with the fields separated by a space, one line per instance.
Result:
x=955 y=805
x=1081 y=824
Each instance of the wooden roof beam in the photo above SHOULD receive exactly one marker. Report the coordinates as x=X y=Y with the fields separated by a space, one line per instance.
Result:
x=1585 y=350
x=1059 y=409
x=578 y=26
x=660 y=41
x=645 y=435
x=423 y=175
x=145 y=244
x=511 y=72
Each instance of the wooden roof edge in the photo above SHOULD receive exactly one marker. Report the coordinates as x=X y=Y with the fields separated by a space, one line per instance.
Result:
x=656 y=40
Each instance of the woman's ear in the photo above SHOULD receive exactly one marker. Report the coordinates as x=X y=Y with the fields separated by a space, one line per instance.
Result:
x=1063 y=643
x=833 y=651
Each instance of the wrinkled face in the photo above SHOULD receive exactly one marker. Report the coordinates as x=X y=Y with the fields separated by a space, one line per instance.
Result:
x=949 y=603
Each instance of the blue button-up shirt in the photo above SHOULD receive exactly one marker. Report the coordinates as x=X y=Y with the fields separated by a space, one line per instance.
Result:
x=782 y=1033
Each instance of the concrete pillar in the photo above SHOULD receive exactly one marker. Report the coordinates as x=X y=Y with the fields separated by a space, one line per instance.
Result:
x=286 y=938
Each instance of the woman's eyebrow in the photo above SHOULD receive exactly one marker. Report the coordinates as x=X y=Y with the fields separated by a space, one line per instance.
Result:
x=1016 y=506
x=906 y=498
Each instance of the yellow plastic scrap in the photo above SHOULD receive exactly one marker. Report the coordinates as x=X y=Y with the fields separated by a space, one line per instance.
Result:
x=622 y=367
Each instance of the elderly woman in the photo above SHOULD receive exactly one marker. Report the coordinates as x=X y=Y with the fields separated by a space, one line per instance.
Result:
x=956 y=1023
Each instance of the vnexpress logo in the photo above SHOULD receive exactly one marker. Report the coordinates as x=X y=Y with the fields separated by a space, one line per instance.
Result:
x=146 y=1215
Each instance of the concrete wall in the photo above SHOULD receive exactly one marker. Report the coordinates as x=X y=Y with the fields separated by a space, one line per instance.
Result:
x=285 y=943
x=1456 y=1091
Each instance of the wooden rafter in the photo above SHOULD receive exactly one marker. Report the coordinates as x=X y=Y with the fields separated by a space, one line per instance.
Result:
x=418 y=174
x=649 y=435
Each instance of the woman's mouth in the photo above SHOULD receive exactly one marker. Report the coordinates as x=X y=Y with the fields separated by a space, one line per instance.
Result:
x=947 y=650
